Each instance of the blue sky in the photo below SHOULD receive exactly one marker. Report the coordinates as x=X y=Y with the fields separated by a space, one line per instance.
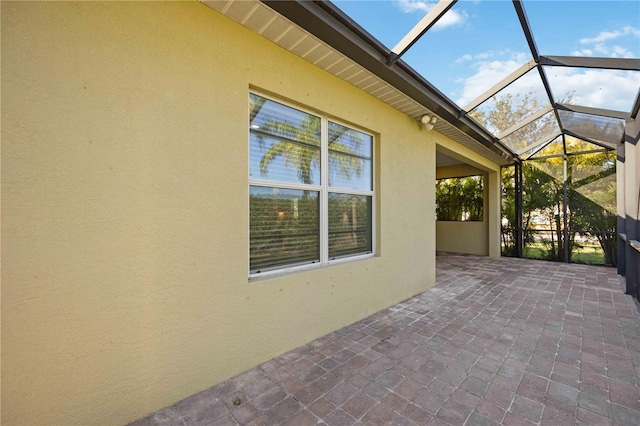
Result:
x=478 y=42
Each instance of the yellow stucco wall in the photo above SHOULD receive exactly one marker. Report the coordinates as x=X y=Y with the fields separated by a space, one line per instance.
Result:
x=125 y=209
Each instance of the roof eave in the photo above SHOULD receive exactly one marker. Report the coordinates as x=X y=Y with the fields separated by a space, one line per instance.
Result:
x=333 y=27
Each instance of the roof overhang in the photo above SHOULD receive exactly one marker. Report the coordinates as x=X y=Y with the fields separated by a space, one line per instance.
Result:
x=322 y=34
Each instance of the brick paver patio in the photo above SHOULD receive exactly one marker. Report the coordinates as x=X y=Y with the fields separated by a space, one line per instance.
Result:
x=497 y=341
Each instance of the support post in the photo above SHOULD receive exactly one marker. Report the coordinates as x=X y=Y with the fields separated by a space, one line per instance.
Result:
x=565 y=219
x=631 y=203
x=519 y=222
x=494 y=214
x=621 y=212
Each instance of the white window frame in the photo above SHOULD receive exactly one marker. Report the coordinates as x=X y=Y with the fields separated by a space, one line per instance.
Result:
x=323 y=189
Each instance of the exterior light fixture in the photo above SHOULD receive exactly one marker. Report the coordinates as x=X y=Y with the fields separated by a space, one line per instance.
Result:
x=428 y=121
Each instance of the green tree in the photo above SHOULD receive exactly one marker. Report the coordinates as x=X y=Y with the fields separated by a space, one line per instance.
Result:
x=592 y=199
x=460 y=199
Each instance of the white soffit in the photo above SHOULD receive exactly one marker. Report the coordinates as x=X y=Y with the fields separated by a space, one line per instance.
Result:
x=263 y=20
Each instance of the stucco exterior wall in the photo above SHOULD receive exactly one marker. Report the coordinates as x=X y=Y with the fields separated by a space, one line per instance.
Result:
x=462 y=237
x=125 y=209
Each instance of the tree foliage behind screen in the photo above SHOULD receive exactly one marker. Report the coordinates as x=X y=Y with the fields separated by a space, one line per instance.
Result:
x=459 y=199
x=579 y=227
x=590 y=210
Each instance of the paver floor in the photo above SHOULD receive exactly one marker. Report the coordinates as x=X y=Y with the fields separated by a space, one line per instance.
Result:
x=496 y=341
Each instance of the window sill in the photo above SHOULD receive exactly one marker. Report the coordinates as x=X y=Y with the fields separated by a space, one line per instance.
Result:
x=279 y=273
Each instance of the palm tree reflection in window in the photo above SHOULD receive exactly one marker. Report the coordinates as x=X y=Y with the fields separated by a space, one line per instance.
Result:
x=298 y=143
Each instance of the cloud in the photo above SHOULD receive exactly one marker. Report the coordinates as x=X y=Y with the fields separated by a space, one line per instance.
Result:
x=582 y=52
x=608 y=89
x=451 y=18
x=599 y=45
x=611 y=35
x=602 y=50
x=490 y=68
x=621 y=52
x=464 y=58
x=410 y=6
x=477 y=57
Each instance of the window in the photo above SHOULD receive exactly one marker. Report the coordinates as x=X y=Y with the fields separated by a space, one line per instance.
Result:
x=310 y=188
x=459 y=199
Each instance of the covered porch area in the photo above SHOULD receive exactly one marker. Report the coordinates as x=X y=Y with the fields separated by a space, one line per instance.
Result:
x=496 y=341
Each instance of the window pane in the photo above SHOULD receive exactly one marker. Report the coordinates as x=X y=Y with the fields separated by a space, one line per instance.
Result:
x=510 y=106
x=552 y=149
x=284 y=143
x=346 y=171
x=616 y=88
x=522 y=138
x=349 y=141
x=277 y=160
x=349 y=158
x=602 y=129
x=284 y=226
x=349 y=225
